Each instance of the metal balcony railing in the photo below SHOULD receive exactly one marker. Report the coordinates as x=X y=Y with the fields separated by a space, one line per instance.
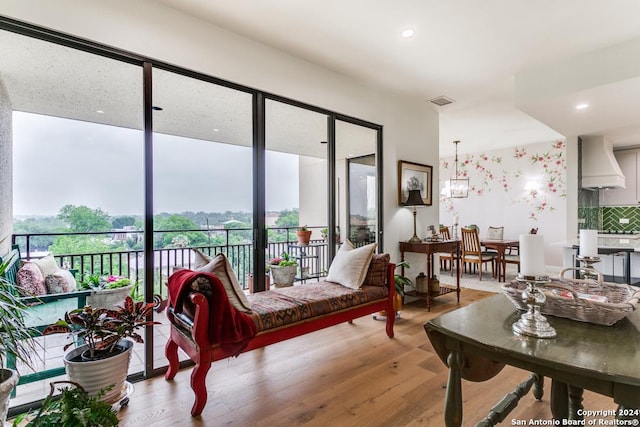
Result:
x=130 y=263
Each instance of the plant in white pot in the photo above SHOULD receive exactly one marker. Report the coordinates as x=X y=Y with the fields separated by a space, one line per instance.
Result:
x=108 y=291
x=283 y=270
x=104 y=358
x=16 y=340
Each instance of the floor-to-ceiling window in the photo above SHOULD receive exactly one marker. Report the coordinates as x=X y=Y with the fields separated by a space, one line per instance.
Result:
x=357 y=182
x=77 y=144
x=82 y=136
x=296 y=185
x=202 y=178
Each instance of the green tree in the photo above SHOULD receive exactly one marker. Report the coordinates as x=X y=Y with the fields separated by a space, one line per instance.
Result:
x=84 y=219
x=288 y=218
x=123 y=221
x=177 y=222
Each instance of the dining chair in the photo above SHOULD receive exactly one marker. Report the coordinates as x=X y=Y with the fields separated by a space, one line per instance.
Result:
x=446 y=258
x=472 y=252
x=494 y=233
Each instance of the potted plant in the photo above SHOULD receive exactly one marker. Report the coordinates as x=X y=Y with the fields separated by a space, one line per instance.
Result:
x=324 y=233
x=400 y=283
x=108 y=291
x=104 y=358
x=283 y=270
x=74 y=407
x=304 y=235
x=16 y=340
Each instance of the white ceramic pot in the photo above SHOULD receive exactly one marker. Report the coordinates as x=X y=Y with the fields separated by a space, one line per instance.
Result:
x=283 y=276
x=108 y=298
x=95 y=375
x=10 y=380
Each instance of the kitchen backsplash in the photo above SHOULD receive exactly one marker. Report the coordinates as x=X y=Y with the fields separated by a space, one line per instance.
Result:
x=612 y=215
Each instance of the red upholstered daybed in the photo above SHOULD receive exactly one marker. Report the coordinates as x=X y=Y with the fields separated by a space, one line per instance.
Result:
x=276 y=315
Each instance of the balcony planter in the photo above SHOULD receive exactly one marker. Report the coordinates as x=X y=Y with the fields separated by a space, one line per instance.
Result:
x=108 y=298
x=283 y=276
x=304 y=236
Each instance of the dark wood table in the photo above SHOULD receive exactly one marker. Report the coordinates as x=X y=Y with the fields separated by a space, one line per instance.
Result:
x=429 y=249
x=501 y=247
x=476 y=342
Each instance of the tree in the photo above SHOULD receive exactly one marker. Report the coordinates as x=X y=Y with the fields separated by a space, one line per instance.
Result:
x=123 y=221
x=288 y=218
x=83 y=219
x=177 y=222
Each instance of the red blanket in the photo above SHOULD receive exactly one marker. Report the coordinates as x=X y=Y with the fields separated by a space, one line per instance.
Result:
x=230 y=328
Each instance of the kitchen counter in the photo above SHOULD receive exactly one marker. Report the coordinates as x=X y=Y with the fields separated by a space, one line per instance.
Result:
x=612 y=245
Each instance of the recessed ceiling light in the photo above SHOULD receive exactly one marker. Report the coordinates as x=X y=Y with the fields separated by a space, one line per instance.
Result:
x=407 y=32
x=581 y=106
x=99 y=111
x=216 y=129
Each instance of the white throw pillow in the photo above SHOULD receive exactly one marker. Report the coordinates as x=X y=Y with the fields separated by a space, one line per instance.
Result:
x=221 y=267
x=350 y=265
x=60 y=281
x=47 y=265
x=200 y=259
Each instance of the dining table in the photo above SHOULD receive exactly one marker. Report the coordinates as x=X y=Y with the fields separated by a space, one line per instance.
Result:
x=500 y=246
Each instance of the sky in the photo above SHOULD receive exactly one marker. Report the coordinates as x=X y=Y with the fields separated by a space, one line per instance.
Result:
x=57 y=162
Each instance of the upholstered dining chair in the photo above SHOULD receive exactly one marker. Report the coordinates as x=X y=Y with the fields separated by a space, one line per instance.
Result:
x=446 y=258
x=472 y=252
x=494 y=233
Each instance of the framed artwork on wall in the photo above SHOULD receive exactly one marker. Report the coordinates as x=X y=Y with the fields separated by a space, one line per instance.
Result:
x=414 y=176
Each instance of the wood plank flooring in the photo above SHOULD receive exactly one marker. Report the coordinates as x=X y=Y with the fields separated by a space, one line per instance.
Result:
x=346 y=375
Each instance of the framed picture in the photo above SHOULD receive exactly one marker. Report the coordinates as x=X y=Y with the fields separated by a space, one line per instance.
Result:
x=414 y=176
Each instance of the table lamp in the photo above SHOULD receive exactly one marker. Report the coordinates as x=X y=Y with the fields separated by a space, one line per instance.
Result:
x=414 y=199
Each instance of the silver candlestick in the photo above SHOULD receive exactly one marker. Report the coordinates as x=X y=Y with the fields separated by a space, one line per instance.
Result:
x=586 y=266
x=533 y=323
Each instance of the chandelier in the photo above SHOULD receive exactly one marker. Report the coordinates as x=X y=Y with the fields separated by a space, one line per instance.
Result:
x=456 y=188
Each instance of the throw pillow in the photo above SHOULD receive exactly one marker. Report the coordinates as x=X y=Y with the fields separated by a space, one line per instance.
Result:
x=349 y=267
x=30 y=280
x=61 y=281
x=200 y=259
x=46 y=264
x=221 y=267
x=377 y=272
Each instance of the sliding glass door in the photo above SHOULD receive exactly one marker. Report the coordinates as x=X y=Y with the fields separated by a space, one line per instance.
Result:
x=357 y=183
x=296 y=187
x=202 y=179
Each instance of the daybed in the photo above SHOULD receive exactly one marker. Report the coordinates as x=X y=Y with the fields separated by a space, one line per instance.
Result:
x=208 y=329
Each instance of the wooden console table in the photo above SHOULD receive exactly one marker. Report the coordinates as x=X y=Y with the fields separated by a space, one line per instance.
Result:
x=430 y=248
x=476 y=342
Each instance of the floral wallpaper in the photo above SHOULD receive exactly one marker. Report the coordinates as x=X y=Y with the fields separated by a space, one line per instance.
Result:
x=531 y=177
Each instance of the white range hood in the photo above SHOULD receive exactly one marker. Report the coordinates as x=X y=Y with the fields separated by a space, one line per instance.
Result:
x=600 y=168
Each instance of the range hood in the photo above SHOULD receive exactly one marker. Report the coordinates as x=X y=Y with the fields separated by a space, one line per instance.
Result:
x=600 y=168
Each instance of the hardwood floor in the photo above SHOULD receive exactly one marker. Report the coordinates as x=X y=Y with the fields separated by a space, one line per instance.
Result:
x=346 y=375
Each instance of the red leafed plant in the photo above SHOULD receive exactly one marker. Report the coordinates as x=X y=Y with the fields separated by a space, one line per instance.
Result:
x=100 y=328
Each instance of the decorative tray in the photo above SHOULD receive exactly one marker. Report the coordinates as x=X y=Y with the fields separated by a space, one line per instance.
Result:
x=592 y=301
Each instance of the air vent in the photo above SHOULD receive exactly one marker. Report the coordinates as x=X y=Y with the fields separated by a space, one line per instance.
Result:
x=441 y=100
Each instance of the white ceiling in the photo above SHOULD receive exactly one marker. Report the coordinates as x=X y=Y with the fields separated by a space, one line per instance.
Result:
x=478 y=53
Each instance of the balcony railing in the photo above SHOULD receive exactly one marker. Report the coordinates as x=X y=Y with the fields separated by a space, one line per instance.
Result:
x=130 y=263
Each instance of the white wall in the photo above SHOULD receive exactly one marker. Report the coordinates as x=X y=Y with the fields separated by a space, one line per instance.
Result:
x=499 y=194
x=6 y=171
x=148 y=28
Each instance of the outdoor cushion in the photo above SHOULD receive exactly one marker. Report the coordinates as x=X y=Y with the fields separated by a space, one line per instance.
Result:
x=30 y=280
